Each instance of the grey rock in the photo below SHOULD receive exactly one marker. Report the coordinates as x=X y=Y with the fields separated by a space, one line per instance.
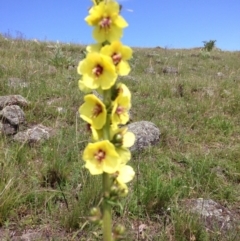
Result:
x=16 y=83
x=170 y=70
x=146 y=133
x=213 y=214
x=12 y=100
x=13 y=114
x=34 y=134
x=8 y=129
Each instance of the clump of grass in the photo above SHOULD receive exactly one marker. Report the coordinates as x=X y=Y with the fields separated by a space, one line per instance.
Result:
x=59 y=58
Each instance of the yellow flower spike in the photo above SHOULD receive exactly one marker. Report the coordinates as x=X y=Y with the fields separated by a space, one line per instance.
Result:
x=119 y=54
x=125 y=174
x=93 y=111
x=107 y=22
x=98 y=71
x=101 y=157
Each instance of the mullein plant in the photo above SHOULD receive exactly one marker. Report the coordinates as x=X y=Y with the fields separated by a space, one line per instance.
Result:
x=107 y=154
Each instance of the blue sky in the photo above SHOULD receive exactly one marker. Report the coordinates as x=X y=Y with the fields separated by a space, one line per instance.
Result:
x=164 y=23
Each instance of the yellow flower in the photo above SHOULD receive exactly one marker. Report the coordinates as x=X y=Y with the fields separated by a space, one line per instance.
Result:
x=96 y=134
x=122 y=189
x=101 y=157
x=93 y=111
x=119 y=54
x=107 y=22
x=125 y=174
x=124 y=154
x=98 y=71
x=121 y=105
x=83 y=87
x=120 y=110
x=123 y=90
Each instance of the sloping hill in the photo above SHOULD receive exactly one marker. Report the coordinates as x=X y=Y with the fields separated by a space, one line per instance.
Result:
x=194 y=99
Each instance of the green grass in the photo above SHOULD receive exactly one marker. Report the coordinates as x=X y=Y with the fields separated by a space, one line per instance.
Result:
x=45 y=187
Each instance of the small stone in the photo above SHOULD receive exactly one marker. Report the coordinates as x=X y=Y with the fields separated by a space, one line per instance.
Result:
x=12 y=100
x=61 y=110
x=8 y=129
x=214 y=215
x=220 y=74
x=34 y=134
x=170 y=70
x=13 y=114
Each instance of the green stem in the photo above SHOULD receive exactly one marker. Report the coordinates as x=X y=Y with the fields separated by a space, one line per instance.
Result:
x=107 y=209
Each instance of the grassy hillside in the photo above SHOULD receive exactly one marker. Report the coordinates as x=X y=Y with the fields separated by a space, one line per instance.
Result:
x=44 y=188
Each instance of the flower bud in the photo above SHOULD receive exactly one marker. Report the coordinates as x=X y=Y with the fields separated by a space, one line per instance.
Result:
x=95 y=214
x=118 y=140
x=118 y=231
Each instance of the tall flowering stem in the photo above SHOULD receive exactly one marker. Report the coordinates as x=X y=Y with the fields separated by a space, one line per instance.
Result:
x=106 y=109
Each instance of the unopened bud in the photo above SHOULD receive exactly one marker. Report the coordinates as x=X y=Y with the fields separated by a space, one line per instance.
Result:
x=94 y=211
x=118 y=140
x=95 y=214
x=118 y=232
x=119 y=229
